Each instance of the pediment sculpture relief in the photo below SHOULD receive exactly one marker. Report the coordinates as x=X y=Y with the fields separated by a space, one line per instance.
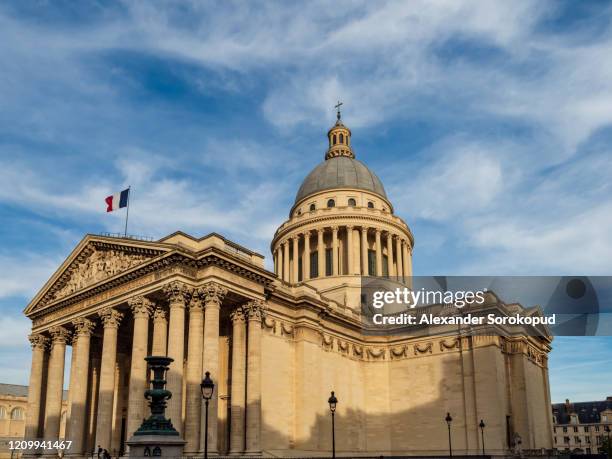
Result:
x=99 y=265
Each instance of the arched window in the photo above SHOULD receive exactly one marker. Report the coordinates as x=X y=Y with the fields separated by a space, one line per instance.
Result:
x=341 y=138
x=312 y=207
x=334 y=139
x=299 y=212
x=17 y=413
x=2 y=412
x=352 y=202
x=370 y=205
x=331 y=203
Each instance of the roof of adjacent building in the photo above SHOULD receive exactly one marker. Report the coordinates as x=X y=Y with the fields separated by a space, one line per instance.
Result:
x=340 y=172
x=588 y=412
x=17 y=390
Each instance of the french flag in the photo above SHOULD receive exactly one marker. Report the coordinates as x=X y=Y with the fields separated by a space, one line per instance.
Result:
x=117 y=200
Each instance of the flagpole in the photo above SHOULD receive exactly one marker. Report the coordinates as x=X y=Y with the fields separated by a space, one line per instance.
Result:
x=127 y=212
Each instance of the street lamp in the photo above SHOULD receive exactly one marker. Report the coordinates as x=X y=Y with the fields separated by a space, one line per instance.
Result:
x=448 y=420
x=482 y=426
x=332 y=407
x=207 y=387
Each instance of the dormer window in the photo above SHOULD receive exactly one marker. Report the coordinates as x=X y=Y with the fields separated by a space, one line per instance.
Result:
x=352 y=202
x=331 y=203
x=312 y=207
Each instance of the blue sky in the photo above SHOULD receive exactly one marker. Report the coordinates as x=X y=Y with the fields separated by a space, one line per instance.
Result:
x=488 y=122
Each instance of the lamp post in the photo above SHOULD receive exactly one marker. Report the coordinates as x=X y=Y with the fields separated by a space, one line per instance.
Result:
x=482 y=426
x=448 y=420
x=332 y=407
x=207 y=387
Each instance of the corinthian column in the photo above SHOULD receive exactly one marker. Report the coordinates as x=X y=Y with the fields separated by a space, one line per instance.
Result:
x=79 y=385
x=306 y=257
x=141 y=310
x=286 y=261
x=253 y=311
x=295 y=240
x=111 y=318
x=193 y=376
x=238 y=382
x=378 y=254
x=364 y=251
x=349 y=250
x=406 y=263
x=335 y=257
x=390 y=266
x=55 y=382
x=176 y=293
x=213 y=296
x=160 y=332
x=398 y=251
x=33 y=417
x=320 y=252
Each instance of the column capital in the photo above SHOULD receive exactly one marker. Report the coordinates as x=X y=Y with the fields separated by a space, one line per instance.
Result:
x=213 y=294
x=350 y=227
x=38 y=341
x=140 y=306
x=159 y=313
x=254 y=310
x=195 y=302
x=59 y=335
x=83 y=327
x=177 y=293
x=237 y=315
x=377 y=231
x=111 y=318
x=307 y=233
x=335 y=228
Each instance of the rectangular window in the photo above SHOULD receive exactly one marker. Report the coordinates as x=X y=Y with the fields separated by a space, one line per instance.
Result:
x=576 y=439
x=596 y=428
x=566 y=439
x=575 y=429
x=328 y=262
x=385 y=263
x=314 y=264
x=588 y=439
x=299 y=269
x=371 y=262
x=564 y=429
x=586 y=428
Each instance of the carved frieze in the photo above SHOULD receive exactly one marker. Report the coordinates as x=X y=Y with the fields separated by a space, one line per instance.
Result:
x=94 y=265
x=423 y=348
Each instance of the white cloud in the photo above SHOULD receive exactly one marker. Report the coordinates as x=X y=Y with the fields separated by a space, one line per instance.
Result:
x=24 y=273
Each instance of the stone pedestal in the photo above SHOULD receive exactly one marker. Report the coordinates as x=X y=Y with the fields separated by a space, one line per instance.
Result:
x=156 y=446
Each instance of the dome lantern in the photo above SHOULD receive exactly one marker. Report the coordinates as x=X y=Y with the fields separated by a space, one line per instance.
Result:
x=339 y=137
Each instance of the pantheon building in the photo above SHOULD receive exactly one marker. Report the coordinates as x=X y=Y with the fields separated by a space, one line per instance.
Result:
x=275 y=342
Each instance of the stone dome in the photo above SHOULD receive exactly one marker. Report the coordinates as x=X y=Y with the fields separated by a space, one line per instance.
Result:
x=340 y=172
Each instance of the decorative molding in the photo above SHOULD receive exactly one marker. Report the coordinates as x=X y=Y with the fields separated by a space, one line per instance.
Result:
x=453 y=343
x=83 y=327
x=177 y=293
x=286 y=329
x=140 y=306
x=237 y=315
x=270 y=324
x=377 y=353
x=254 y=310
x=422 y=348
x=159 y=313
x=59 y=335
x=213 y=294
x=38 y=341
x=398 y=352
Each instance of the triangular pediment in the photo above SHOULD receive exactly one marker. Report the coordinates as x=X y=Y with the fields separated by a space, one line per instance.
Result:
x=94 y=261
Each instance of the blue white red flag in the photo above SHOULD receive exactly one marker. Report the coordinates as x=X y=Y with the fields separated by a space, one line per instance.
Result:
x=117 y=200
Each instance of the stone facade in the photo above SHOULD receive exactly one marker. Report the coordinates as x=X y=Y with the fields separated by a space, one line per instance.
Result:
x=582 y=427
x=276 y=342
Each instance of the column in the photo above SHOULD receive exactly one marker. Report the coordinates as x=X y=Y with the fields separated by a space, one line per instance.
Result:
x=335 y=255
x=306 y=257
x=295 y=240
x=160 y=332
x=193 y=376
x=321 y=252
x=141 y=310
x=406 y=262
x=254 y=312
x=213 y=296
x=398 y=252
x=55 y=382
x=364 y=251
x=71 y=377
x=378 y=254
x=390 y=267
x=349 y=250
x=176 y=293
x=111 y=318
x=280 y=265
x=286 y=261
x=238 y=381
x=33 y=415
x=79 y=385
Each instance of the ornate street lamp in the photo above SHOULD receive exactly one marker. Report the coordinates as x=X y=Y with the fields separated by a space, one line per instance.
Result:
x=207 y=387
x=332 y=407
x=448 y=420
x=482 y=426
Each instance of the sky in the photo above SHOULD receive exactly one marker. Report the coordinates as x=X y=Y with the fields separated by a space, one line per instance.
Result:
x=489 y=124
